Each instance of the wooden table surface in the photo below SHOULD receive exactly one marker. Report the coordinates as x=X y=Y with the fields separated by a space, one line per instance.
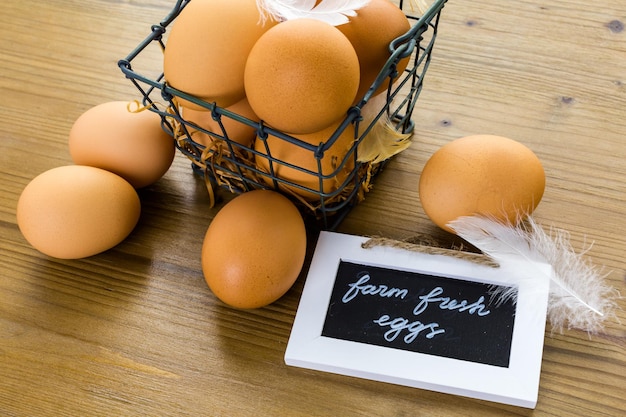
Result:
x=136 y=331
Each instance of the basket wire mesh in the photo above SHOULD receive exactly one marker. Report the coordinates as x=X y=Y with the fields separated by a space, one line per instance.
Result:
x=228 y=164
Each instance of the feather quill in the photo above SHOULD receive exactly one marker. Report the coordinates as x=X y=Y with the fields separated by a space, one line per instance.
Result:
x=579 y=298
x=334 y=12
x=383 y=141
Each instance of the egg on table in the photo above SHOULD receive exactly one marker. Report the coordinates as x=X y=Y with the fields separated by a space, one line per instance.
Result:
x=131 y=144
x=481 y=175
x=75 y=211
x=254 y=249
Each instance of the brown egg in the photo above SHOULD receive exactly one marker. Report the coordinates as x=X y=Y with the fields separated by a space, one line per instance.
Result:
x=206 y=51
x=237 y=131
x=76 y=211
x=294 y=155
x=254 y=249
x=130 y=144
x=481 y=174
x=370 y=32
x=302 y=76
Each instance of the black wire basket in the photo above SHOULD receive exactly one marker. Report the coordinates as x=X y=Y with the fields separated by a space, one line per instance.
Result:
x=227 y=164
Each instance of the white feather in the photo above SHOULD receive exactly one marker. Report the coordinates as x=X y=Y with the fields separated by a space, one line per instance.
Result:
x=579 y=297
x=334 y=12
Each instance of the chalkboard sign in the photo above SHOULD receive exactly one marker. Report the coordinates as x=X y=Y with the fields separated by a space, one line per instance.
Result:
x=420 y=312
x=421 y=320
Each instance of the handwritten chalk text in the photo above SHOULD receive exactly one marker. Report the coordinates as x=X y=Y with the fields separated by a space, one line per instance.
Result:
x=446 y=303
x=394 y=327
x=360 y=287
x=397 y=325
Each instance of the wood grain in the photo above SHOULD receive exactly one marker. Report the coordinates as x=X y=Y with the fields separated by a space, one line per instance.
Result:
x=135 y=330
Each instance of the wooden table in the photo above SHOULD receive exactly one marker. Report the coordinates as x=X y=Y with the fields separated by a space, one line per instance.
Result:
x=136 y=331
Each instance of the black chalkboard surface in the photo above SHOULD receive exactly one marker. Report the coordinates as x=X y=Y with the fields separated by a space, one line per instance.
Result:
x=435 y=315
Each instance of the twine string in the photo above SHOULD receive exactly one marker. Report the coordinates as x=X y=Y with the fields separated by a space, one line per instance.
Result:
x=410 y=245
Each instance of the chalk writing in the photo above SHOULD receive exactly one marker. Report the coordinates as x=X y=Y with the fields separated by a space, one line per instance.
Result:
x=447 y=303
x=413 y=328
x=360 y=287
x=419 y=312
x=400 y=324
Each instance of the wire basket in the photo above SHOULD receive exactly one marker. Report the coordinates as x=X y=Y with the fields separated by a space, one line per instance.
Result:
x=326 y=197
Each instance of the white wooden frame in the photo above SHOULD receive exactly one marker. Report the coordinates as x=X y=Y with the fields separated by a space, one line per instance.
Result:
x=516 y=384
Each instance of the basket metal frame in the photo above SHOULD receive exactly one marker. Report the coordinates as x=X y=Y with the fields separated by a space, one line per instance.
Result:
x=402 y=92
